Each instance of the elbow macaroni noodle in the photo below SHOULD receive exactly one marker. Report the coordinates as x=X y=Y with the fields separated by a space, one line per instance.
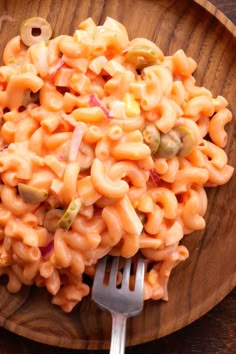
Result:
x=73 y=111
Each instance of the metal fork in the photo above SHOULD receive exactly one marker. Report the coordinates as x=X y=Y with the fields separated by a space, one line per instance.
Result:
x=122 y=302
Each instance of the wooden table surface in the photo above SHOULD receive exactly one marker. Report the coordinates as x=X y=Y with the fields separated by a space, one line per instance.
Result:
x=214 y=333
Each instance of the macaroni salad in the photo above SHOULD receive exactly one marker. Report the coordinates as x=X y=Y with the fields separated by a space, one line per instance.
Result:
x=106 y=147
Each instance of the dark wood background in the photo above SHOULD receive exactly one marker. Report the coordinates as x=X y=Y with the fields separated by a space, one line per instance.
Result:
x=214 y=333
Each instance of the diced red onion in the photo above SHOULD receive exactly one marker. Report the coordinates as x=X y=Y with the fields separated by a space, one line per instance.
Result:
x=69 y=119
x=155 y=178
x=76 y=141
x=60 y=156
x=95 y=103
x=53 y=69
x=47 y=249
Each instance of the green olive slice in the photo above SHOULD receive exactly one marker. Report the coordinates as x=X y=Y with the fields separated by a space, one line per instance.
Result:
x=34 y=30
x=188 y=140
x=140 y=56
x=151 y=137
x=51 y=218
x=70 y=214
x=31 y=194
x=170 y=144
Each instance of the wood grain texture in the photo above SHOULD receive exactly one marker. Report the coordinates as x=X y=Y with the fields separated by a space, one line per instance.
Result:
x=210 y=273
x=214 y=333
x=217 y=13
x=228 y=7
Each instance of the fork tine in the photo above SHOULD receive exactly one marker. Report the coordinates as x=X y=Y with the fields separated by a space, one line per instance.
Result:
x=100 y=271
x=126 y=273
x=114 y=270
x=139 y=276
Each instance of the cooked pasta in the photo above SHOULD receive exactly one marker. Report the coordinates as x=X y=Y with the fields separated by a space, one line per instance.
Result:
x=104 y=150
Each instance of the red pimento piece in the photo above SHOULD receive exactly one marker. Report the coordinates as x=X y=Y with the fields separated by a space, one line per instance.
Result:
x=180 y=198
x=45 y=251
x=3 y=86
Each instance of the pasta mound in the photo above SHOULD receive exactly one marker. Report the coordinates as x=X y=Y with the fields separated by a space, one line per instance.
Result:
x=107 y=145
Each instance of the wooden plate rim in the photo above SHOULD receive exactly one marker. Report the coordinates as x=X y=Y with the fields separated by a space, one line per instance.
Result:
x=217 y=13
x=97 y=344
x=94 y=344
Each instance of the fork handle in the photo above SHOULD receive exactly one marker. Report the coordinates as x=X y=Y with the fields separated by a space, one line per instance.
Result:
x=118 y=333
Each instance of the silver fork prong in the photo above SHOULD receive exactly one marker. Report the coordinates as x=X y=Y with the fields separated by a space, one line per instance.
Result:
x=139 y=274
x=100 y=271
x=120 y=301
x=126 y=273
x=114 y=270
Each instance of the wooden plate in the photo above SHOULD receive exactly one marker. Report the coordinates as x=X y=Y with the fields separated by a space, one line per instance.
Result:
x=209 y=274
